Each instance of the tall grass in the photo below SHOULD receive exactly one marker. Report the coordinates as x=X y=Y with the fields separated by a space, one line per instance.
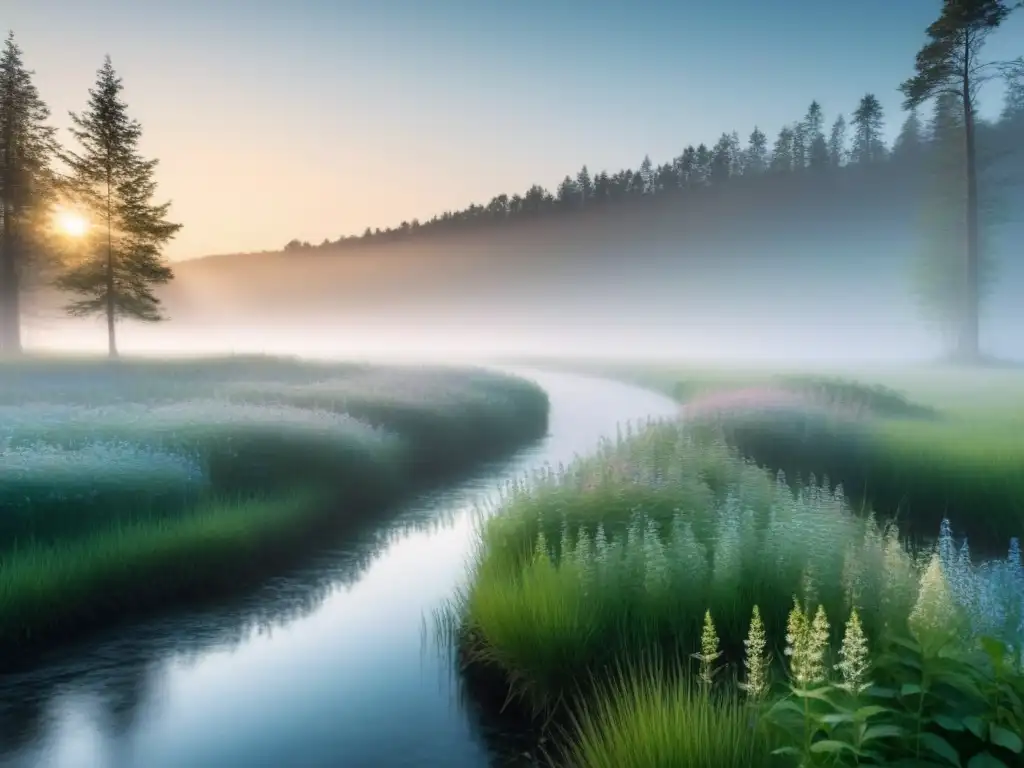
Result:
x=914 y=471
x=626 y=550
x=591 y=567
x=138 y=499
x=647 y=716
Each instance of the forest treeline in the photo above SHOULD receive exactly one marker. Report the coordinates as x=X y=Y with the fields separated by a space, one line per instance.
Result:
x=959 y=169
x=802 y=151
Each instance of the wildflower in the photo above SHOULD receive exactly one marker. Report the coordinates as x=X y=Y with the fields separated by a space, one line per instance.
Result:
x=817 y=644
x=854 y=656
x=934 y=616
x=755 y=661
x=796 y=642
x=709 y=651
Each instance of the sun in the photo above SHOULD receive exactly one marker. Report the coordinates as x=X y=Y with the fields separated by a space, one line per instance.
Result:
x=71 y=224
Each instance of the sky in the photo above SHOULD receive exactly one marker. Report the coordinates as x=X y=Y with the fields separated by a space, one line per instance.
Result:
x=318 y=118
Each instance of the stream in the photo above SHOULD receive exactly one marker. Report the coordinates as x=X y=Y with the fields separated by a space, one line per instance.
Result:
x=332 y=664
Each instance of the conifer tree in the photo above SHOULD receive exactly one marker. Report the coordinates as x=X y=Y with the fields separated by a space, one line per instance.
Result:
x=782 y=152
x=755 y=160
x=27 y=185
x=837 y=143
x=949 y=63
x=909 y=143
x=586 y=186
x=114 y=183
x=868 y=146
x=817 y=147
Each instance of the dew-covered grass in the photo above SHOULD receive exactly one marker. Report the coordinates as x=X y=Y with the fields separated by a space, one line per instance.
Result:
x=588 y=569
x=110 y=473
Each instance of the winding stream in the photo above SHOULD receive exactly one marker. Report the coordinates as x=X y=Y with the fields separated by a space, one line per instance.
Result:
x=326 y=666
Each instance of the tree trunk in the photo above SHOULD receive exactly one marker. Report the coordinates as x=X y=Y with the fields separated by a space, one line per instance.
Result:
x=10 y=290
x=111 y=330
x=968 y=346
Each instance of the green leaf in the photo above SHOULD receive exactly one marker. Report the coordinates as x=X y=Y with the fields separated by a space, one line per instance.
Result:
x=835 y=719
x=821 y=694
x=995 y=649
x=786 y=751
x=1004 y=737
x=784 y=705
x=975 y=725
x=831 y=746
x=940 y=747
x=869 y=711
x=949 y=723
x=882 y=693
x=909 y=689
x=985 y=760
x=883 y=732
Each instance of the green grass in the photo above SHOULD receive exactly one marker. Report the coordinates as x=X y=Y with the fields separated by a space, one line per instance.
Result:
x=154 y=481
x=927 y=442
x=590 y=569
x=625 y=550
x=648 y=717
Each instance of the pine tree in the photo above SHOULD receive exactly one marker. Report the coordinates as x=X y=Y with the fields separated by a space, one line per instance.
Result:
x=115 y=184
x=702 y=165
x=736 y=157
x=646 y=177
x=27 y=185
x=755 y=159
x=909 y=143
x=868 y=146
x=721 y=159
x=799 y=146
x=586 y=186
x=568 y=193
x=782 y=152
x=949 y=64
x=817 y=147
x=837 y=143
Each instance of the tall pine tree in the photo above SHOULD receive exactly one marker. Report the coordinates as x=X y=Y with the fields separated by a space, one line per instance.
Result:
x=755 y=159
x=837 y=143
x=114 y=183
x=27 y=147
x=949 y=63
x=868 y=146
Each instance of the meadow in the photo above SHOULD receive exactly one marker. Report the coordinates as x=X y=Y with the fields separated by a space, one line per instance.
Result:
x=131 y=485
x=915 y=444
x=675 y=600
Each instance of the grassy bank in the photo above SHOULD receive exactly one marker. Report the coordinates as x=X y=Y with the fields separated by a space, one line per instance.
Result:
x=915 y=443
x=127 y=486
x=630 y=553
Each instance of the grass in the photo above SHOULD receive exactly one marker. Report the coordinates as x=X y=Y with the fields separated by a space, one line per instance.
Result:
x=916 y=444
x=646 y=716
x=128 y=486
x=590 y=569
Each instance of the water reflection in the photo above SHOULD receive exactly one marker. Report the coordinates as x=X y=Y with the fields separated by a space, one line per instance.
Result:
x=323 y=666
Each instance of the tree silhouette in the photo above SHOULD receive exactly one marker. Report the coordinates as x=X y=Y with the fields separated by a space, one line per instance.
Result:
x=27 y=185
x=949 y=65
x=115 y=184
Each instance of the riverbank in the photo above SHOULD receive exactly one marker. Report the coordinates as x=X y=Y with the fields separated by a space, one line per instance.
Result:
x=915 y=443
x=131 y=486
x=594 y=587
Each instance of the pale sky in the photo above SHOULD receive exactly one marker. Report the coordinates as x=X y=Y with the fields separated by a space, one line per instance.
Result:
x=314 y=119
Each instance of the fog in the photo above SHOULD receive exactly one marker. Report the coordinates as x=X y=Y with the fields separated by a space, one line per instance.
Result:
x=838 y=289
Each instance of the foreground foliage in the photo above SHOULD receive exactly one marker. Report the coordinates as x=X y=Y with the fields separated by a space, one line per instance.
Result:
x=666 y=543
